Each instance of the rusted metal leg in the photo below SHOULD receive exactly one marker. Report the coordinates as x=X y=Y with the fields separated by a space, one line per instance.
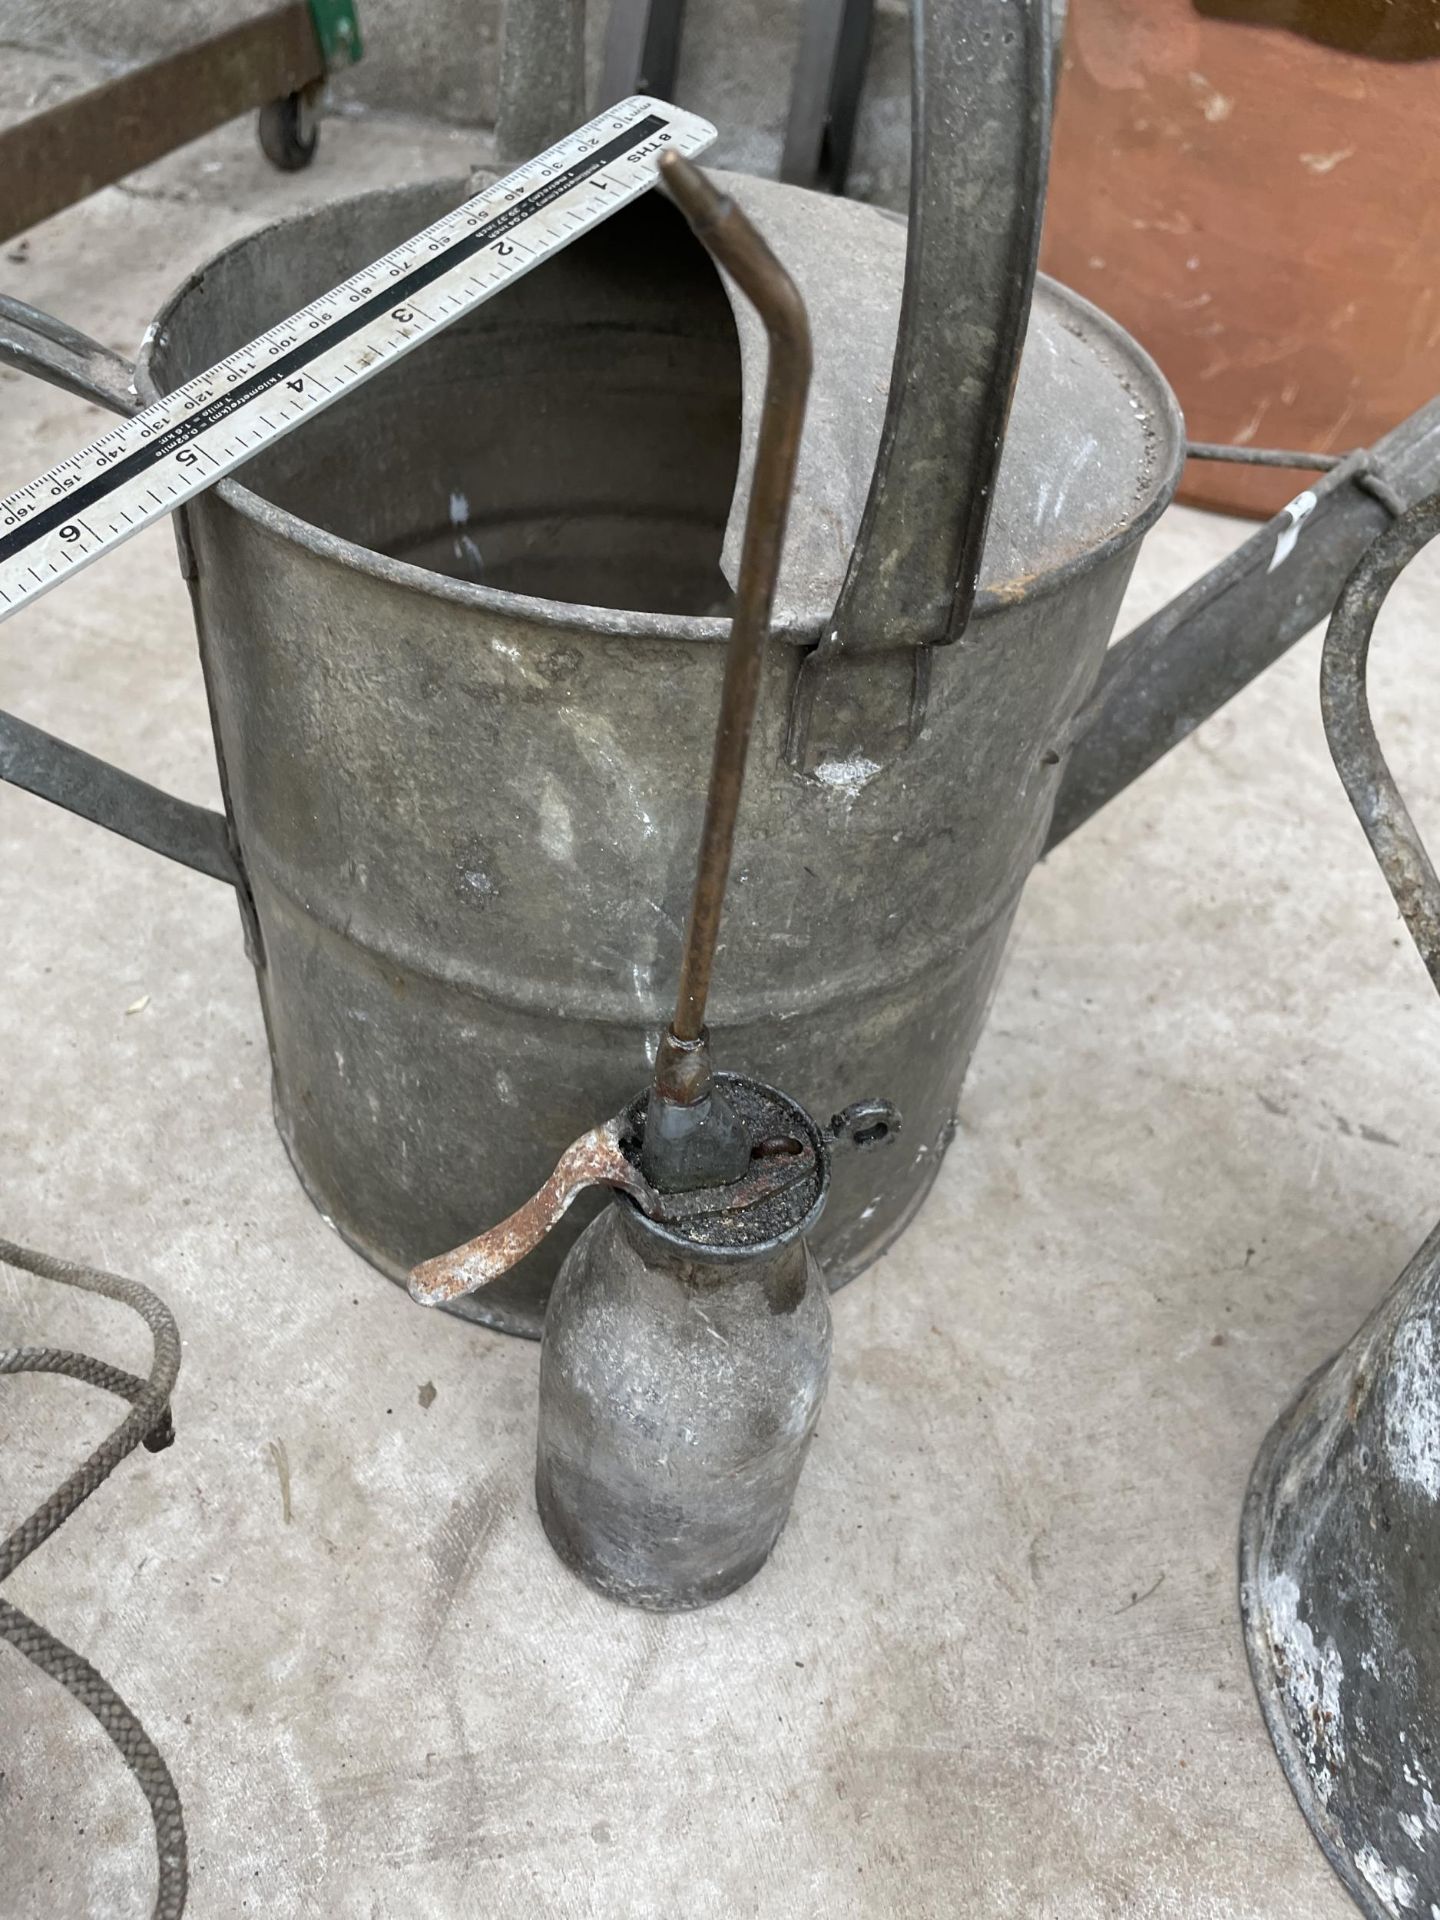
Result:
x=57 y=157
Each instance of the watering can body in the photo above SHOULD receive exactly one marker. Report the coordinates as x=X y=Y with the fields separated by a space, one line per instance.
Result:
x=1339 y=1552
x=1340 y=1541
x=463 y=639
x=466 y=818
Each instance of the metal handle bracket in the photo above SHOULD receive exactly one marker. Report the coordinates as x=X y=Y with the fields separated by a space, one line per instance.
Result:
x=194 y=836
x=979 y=153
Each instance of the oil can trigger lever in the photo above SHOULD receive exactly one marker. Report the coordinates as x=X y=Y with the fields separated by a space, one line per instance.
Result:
x=599 y=1158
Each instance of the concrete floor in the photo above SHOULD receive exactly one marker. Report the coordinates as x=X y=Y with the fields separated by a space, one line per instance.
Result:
x=995 y=1667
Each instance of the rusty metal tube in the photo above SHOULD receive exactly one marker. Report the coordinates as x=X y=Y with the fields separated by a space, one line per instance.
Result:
x=721 y=226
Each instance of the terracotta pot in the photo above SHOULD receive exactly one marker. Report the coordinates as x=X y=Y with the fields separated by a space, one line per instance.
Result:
x=1252 y=188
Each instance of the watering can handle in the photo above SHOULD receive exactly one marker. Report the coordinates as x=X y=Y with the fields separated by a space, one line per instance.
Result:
x=37 y=343
x=1350 y=730
x=980 y=140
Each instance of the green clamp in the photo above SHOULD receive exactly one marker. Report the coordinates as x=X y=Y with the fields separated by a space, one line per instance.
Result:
x=337 y=28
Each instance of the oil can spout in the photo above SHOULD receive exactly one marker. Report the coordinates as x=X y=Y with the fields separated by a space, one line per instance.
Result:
x=696 y=1147
x=693 y=1138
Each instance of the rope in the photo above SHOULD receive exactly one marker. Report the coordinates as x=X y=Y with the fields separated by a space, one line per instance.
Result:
x=95 y=1373
x=148 y=1420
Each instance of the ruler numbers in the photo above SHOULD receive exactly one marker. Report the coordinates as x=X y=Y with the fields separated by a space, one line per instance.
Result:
x=151 y=463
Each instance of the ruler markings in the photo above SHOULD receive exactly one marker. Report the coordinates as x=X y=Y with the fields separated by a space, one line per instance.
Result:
x=623 y=141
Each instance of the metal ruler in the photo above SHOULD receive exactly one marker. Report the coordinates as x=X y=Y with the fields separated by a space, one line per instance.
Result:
x=154 y=461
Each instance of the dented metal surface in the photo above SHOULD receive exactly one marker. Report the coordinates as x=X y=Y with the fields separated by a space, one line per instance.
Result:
x=1340 y=1546
x=469 y=811
x=455 y=634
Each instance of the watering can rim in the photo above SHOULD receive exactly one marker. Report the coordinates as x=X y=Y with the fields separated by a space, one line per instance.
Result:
x=631 y=623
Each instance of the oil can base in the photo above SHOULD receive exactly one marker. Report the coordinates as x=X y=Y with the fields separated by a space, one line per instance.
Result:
x=630 y=1588
x=679 y=1391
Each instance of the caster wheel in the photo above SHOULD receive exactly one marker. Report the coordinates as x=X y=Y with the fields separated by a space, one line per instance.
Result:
x=290 y=131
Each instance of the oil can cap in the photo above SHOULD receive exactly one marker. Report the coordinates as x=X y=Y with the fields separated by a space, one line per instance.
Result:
x=781 y=1197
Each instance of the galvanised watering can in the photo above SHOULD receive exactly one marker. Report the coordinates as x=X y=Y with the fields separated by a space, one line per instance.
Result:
x=463 y=635
x=1340 y=1543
